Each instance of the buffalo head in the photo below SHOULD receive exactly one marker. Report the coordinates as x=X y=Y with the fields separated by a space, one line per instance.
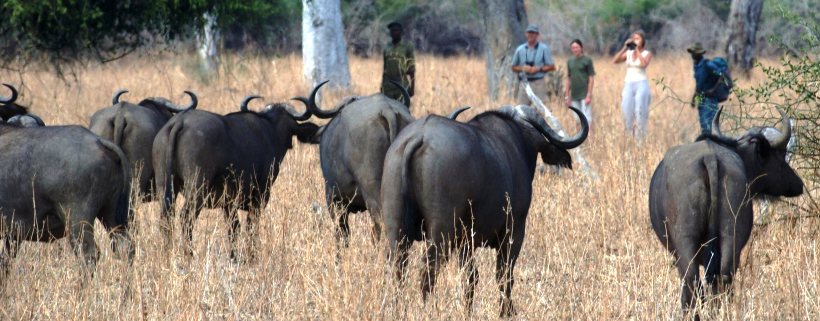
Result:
x=289 y=120
x=551 y=145
x=765 y=159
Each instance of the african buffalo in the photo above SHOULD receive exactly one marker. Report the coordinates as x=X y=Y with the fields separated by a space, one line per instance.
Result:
x=352 y=147
x=225 y=161
x=55 y=181
x=133 y=128
x=465 y=185
x=15 y=114
x=700 y=200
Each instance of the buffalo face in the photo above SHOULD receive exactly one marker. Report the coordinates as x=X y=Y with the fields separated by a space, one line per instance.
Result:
x=766 y=167
x=552 y=147
x=764 y=158
x=283 y=113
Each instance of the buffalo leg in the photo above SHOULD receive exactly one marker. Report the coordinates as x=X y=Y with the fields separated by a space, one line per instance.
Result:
x=194 y=200
x=688 y=265
x=436 y=256
x=375 y=215
x=504 y=265
x=81 y=238
x=343 y=229
x=232 y=216
x=467 y=261
x=120 y=238
x=711 y=264
x=398 y=254
x=253 y=232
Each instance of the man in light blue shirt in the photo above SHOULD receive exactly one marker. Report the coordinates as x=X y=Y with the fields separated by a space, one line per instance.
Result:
x=533 y=60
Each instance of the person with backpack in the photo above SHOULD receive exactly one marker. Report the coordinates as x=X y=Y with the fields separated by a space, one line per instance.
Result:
x=713 y=84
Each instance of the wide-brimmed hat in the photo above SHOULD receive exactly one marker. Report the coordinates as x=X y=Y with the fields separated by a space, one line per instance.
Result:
x=532 y=28
x=696 y=49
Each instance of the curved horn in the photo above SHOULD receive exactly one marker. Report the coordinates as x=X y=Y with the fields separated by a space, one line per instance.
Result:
x=116 y=99
x=456 y=112
x=9 y=100
x=177 y=109
x=243 y=107
x=404 y=94
x=194 y=100
x=716 y=126
x=556 y=139
x=316 y=110
x=304 y=116
x=782 y=141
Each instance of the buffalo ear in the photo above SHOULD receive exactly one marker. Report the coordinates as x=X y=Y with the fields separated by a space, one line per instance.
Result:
x=556 y=156
x=306 y=133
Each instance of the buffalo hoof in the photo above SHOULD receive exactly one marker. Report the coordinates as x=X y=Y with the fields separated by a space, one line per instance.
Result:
x=507 y=309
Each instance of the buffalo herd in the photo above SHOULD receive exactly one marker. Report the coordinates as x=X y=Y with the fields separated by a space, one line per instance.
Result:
x=57 y=180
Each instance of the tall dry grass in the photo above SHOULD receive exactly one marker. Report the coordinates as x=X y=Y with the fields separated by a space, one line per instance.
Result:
x=589 y=254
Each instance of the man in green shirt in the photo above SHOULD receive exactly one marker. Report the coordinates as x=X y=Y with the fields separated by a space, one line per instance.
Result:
x=399 y=64
x=580 y=80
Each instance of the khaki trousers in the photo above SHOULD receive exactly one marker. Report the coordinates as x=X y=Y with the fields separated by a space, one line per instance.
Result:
x=539 y=87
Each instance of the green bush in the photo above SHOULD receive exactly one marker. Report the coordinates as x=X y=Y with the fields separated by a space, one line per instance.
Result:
x=794 y=86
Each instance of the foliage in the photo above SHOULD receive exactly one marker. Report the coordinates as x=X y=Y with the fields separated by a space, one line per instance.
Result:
x=794 y=86
x=70 y=29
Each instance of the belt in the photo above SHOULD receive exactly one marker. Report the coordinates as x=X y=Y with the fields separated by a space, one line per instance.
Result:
x=534 y=79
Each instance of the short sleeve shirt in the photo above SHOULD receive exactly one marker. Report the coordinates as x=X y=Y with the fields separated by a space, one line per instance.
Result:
x=539 y=56
x=579 y=70
x=399 y=61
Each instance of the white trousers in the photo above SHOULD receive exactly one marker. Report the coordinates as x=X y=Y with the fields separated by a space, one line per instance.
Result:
x=635 y=107
x=585 y=109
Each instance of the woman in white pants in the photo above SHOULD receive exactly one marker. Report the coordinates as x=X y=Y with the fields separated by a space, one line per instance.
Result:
x=635 y=97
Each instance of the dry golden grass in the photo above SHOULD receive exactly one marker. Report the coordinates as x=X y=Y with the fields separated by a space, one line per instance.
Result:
x=589 y=254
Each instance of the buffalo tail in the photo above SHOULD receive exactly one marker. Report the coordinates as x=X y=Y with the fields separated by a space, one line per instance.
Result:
x=411 y=220
x=119 y=126
x=710 y=163
x=170 y=150
x=124 y=198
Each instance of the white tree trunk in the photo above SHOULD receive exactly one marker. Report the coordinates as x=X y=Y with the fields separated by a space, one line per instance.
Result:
x=324 y=52
x=208 y=39
x=744 y=20
x=556 y=126
x=504 y=24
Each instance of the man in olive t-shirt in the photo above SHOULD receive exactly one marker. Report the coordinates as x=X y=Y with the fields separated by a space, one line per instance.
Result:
x=580 y=80
x=399 y=65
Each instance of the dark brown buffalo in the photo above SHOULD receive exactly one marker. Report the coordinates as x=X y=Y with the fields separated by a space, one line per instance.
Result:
x=15 y=114
x=352 y=147
x=225 y=161
x=700 y=201
x=467 y=184
x=57 y=181
x=133 y=128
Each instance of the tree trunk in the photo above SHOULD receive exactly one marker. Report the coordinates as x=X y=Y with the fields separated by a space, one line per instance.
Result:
x=324 y=53
x=208 y=39
x=744 y=20
x=504 y=25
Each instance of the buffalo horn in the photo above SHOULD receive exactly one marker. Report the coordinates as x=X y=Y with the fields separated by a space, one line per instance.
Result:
x=556 y=139
x=404 y=94
x=9 y=100
x=304 y=116
x=716 y=126
x=177 y=109
x=316 y=110
x=782 y=141
x=116 y=99
x=456 y=112
x=243 y=107
x=194 y=100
